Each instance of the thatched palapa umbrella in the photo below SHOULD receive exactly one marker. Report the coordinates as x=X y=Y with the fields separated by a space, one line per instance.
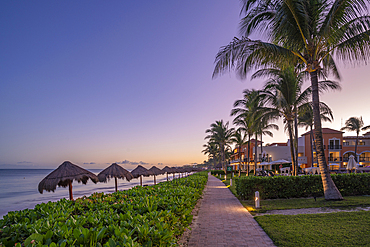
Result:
x=140 y=171
x=167 y=170
x=64 y=175
x=114 y=171
x=156 y=171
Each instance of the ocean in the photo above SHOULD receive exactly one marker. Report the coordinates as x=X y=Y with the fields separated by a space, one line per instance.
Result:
x=19 y=188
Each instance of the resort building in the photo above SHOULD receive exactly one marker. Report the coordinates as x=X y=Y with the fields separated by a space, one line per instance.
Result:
x=337 y=148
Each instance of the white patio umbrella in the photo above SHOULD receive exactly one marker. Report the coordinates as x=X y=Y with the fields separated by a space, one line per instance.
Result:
x=264 y=163
x=351 y=163
x=282 y=161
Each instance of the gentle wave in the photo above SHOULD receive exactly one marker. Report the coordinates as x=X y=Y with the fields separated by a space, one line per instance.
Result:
x=18 y=188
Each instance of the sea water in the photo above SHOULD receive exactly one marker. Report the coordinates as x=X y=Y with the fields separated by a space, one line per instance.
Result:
x=19 y=188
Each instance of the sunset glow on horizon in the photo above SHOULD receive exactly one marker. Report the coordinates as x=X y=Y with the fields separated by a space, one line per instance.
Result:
x=128 y=82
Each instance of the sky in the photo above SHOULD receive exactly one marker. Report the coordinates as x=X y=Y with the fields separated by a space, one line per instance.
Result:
x=97 y=82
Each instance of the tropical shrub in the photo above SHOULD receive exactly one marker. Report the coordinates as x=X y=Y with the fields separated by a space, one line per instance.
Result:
x=217 y=172
x=300 y=186
x=142 y=216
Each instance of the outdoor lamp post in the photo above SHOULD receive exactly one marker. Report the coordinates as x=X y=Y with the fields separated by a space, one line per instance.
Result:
x=257 y=199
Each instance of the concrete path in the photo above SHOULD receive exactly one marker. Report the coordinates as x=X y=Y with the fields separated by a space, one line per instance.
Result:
x=223 y=221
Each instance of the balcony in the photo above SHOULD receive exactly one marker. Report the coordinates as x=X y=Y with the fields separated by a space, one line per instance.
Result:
x=364 y=159
x=334 y=159
x=331 y=147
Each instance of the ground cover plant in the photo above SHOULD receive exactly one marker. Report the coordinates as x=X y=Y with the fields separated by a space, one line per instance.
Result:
x=329 y=229
x=142 y=216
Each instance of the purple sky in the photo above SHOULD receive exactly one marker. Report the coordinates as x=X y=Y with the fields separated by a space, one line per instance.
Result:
x=97 y=82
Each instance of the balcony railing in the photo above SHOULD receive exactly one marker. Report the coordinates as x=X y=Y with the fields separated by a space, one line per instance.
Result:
x=332 y=147
x=334 y=159
x=335 y=147
x=364 y=159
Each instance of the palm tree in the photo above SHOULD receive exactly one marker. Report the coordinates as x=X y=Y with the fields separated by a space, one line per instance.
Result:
x=355 y=124
x=211 y=149
x=246 y=124
x=221 y=134
x=264 y=127
x=246 y=112
x=305 y=119
x=240 y=139
x=283 y=93
x=309 y=32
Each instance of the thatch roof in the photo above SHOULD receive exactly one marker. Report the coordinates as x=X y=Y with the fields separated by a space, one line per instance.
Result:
x=65 y=173
x=114 y=171
x=188 y=169
x=156 y=171
x=141 y=171
x=167 y=169
x=178 y=169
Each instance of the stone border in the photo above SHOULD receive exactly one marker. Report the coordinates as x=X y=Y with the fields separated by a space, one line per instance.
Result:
x=312 y=211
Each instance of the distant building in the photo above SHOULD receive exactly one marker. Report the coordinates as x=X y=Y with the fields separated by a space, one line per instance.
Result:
x=337 y=150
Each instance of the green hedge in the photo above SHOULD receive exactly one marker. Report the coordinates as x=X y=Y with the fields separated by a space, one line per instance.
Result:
x=142 y=216
x=217 y=172
x=300 y=186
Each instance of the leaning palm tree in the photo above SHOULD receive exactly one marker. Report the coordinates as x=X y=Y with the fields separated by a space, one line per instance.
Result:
x=221 y=134
x=309 y=32
x=355 y=124
x=305 y=120
x=240 y=139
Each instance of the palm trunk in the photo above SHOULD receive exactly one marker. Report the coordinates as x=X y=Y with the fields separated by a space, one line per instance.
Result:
x=311 y=142
x=240 y=160
x=356 y=148
x=330 y=190
x=296 y=142
x=261 y=146
x=255 y=156
x=290 y=123
x=223 y=158
x=314 y=144
x=249 y=153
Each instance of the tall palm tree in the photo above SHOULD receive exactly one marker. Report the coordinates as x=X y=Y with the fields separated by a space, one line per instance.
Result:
x=246 y=124
x=305 y=120
x=211 y=149
x=221 y=134
x=240 y=139
x=355 y=124
x=309 y=32
x=247 y=111
x=283 y=93
x=264 y=127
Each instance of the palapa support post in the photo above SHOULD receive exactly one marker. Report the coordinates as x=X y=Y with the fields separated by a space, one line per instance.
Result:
x=70 y=191
x=167 y=175
x=141 y=181
x=115 y=179
x=155 y=182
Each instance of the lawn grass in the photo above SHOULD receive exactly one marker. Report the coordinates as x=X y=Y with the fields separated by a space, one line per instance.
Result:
x=331 y=229
x=296 y=203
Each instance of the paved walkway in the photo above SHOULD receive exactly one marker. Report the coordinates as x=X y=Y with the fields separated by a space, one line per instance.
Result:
x=223 y=221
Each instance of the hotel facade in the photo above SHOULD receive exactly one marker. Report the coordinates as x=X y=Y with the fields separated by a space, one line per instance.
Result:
x=337 y=148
